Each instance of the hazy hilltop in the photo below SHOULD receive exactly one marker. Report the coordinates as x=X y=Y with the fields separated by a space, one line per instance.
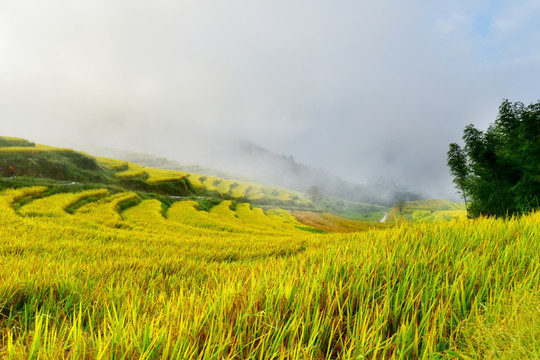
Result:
x=250 y=159
x=242 y=160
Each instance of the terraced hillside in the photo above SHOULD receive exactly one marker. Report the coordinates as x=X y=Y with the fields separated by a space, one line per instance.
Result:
x=42 y=161
x=103 y=263
x=225 y=188
x=19 y=157
x=97 y=275
x=428 y=211
x=333 y=223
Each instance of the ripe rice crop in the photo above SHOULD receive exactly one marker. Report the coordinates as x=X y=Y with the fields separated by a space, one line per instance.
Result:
x=255 y=197
x=160 y=175
x=426 y=215
x=142 y=284
x=33 y=149
x=112 y=164
x=333 y=223
x=240 y=190
x=105 y=211
x=209 y=183
x=148 y=216
x=132 y=171
x=254 y=193
x=195 y=180
x=56 y=205
x=223 y=186
x=126 y=170
x=283 y=196
x=186 y=212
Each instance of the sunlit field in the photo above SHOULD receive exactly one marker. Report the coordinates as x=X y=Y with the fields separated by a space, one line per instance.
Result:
x=94 y=275
x=428 y=211
x=269 y=180
x=37 y=148
x=224 y=187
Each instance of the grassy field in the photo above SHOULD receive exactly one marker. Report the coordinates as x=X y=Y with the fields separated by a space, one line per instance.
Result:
x=96 y=275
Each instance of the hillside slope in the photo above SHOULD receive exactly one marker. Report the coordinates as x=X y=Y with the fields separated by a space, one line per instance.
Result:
x=49 y=162
x=21 y=158
x=248 y=162
x=64 y=170
x=40 y=162
x=25 y=163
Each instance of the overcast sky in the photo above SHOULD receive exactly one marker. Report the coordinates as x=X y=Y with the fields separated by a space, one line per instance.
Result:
x=365 y=90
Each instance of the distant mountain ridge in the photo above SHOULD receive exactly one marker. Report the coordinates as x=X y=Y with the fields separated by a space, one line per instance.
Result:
x=246 y=161
x=285 y=171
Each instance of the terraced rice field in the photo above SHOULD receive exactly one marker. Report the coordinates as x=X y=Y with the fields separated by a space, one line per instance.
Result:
x=94 y=275
x=230 y=189
x=429 y=211
x=332 y=223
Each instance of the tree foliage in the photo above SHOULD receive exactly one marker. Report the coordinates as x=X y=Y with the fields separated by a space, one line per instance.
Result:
x=497 y=172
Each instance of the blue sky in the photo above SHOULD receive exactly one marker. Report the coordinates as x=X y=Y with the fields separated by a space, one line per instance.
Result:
x=367 y=90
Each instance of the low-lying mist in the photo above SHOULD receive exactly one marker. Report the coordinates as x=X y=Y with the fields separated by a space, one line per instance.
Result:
x=242 y=160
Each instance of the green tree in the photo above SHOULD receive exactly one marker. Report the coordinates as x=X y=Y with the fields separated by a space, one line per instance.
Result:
x=498 y=171
x=459 y=168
